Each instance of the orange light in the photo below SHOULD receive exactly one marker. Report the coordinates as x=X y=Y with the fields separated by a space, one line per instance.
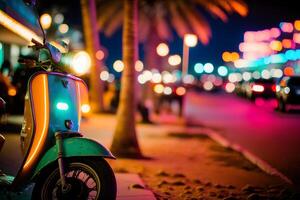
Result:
x=39 y=88
x=12 y=92
x=180 y=91
x=297 y=25
x=226 y=56
x=287 y=43
x=288 y=71
x=235 y=56
x=100 y=55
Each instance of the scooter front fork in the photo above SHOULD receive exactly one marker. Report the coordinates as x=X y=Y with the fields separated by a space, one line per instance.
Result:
x=59 y=144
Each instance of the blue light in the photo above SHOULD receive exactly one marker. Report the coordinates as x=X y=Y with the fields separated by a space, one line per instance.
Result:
x=199 y=68
x=222 y=71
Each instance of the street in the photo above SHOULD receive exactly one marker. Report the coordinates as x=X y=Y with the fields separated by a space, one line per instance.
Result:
x=272 y=136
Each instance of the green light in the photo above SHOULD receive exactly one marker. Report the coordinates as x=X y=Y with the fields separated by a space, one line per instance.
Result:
x=62 y=106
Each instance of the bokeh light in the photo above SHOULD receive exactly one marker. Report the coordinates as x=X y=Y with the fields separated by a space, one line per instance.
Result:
x=118 y=66
x=180 y=91
x=229 y=87
x=199 y=68
x=63 y=28
x=222 y=71
x=288 y=71
x=100 y=55
x=162 y=49
x=81 y=62
x=190 y=40
x=46 y=21
x=139 y=66
x=208 y=68
x=104 y=75
x=174 y=60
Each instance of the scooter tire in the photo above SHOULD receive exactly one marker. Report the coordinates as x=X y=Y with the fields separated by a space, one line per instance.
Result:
x=49 y=179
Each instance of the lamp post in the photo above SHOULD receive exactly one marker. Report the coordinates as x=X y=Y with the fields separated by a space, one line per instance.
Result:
x=190 y=40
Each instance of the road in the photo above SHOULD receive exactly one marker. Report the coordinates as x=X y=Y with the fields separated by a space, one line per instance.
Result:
x=272 y=136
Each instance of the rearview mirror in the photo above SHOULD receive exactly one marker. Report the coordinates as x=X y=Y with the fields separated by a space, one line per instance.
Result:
x=30 y=2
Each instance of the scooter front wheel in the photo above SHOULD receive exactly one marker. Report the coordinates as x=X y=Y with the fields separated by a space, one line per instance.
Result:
x=87 y=178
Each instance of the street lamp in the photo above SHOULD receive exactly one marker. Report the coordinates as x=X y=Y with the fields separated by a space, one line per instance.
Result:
x=190 y=40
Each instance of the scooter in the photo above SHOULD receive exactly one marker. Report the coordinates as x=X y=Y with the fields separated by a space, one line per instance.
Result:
x=60 y=162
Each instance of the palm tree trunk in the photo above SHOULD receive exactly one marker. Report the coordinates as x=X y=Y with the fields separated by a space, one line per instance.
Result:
x=125 y=143
x=91 y=36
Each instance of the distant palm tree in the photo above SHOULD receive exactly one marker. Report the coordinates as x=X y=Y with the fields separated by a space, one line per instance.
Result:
x=91 y=36
x=155 y=19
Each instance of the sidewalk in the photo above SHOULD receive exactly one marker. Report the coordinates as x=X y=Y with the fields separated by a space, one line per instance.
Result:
x=184 y=163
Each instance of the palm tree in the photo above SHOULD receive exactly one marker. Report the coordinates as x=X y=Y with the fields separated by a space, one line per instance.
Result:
x=125 y=143
x=88 y=9
x=156 y=20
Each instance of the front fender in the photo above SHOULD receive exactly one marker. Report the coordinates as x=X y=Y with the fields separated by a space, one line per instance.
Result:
x=73 y=147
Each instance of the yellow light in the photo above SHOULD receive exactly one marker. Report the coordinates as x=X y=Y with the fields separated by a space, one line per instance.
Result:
x=297 y=25
x=46 y=20
x=63 y=28
x=276 y=45
x=81 y=62
x=162 y=49
x=118 y=66
x=12 y=92
x=85 y=108
x=159 y=88
x=139 y=66
x=190 y=40
x=174 y=60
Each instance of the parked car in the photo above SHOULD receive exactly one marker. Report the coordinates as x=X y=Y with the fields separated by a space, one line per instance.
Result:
x=288 y=92
x=264 y=88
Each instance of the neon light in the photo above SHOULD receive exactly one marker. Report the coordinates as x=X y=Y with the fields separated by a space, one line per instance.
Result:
x=43 y=134
x=62 y=106
x=24 y=32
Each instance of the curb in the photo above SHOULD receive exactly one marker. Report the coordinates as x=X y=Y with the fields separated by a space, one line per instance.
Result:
x=263 y=165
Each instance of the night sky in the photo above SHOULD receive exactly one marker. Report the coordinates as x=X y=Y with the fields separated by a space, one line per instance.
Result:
x=225 y=36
